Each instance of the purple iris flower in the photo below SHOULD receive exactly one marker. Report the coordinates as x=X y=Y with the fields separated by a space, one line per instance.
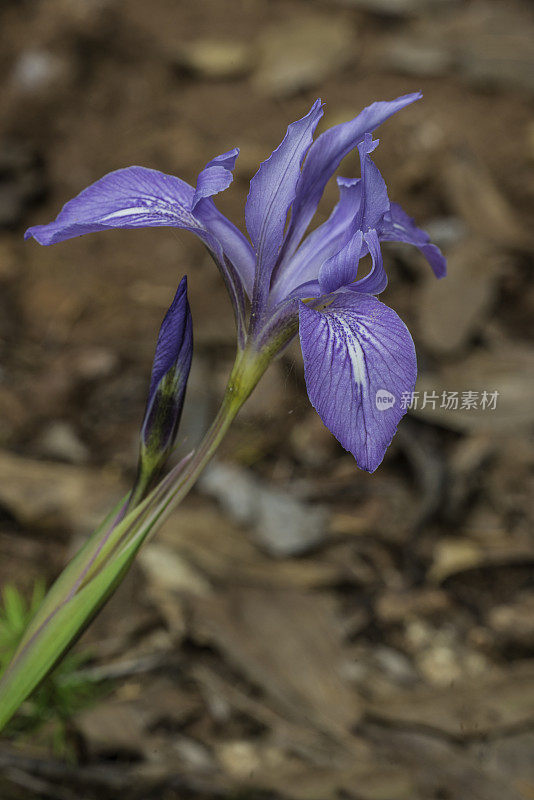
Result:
x=359 y=358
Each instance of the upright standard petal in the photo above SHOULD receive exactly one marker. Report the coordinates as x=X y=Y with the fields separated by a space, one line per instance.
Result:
x=321 y=244
x=325 y=156
x=342 y=268
x=359 y=360
x=375 y=201
x=272 y=190
x=397 y=226
x=376 y=279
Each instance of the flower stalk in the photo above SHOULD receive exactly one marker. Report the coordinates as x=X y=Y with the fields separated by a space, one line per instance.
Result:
x=248 y=368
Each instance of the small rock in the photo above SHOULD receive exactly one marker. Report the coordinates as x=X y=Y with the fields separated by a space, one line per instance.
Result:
x=195 y=754
x=439 y=654
x=443 y=665
x=301 y=54
x=282 y=524
x=216 y=59
x=38 y=71
x=95 y=363
x=241 y=758
x=287 y=527
x=61 y=442
x=113 y=727
x=395 y=664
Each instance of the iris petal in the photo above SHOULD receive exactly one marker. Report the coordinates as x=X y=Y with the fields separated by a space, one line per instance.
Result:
x=397 y=226
x=134 y=197
x=272 y=190
x=359 y=360
x=137 y=197
x=341 y=269
x=376 y=279
x=322 y=243
x=216 y=176
x=325 y=156
x=375 y=201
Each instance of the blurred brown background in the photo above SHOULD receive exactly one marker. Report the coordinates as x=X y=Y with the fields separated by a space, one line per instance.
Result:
x=299 y=630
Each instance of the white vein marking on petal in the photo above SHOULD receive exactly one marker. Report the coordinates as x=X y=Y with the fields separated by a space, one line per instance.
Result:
x=355 y=352
x=125 y=212
x=154 y=205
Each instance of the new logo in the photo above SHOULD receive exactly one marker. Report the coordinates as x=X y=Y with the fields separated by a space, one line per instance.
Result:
x=384 y=400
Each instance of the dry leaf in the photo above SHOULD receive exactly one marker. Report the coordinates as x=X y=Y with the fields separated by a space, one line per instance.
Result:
x=289 y=644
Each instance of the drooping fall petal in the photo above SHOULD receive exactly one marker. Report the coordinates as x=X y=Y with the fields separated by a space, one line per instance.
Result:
x=397 y=226
x=359 y=359
x=137 y=197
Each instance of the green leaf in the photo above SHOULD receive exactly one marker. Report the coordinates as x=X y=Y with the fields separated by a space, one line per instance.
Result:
x=78 y=594
x=66 y=581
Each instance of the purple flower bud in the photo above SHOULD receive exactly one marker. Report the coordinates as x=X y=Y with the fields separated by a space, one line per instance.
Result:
x=170 y=371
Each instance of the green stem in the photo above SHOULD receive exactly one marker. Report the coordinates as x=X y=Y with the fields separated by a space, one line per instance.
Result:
x=248 y=368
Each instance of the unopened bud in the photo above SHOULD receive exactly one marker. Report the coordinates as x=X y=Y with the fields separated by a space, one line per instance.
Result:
x=170 y=371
